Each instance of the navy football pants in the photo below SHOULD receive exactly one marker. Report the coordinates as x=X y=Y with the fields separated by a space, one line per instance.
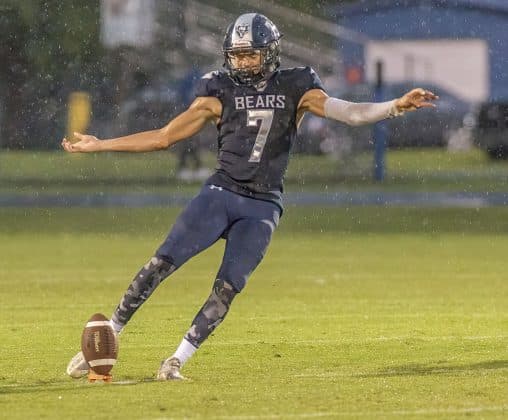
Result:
x=247 y=225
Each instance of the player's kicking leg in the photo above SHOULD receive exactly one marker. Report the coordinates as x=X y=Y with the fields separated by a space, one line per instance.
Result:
x=247 y=242
x=191 y=234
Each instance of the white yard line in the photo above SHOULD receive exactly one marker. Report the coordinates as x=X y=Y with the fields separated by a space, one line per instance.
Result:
x=371 y=317
x=387 y=373
x=339 y=340
x=327 y=341
x=372 y=413
x=366 y=340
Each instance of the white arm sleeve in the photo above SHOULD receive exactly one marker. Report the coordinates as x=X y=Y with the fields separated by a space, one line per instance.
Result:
x=353 y=113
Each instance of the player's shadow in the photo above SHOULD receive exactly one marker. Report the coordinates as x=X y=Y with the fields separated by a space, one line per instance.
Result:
x=437 y=368
x=67 y=385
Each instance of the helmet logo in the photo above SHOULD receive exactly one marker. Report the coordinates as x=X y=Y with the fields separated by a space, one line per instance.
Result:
x=242 y=29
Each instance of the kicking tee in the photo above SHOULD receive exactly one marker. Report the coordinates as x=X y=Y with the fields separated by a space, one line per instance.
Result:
x=257 y=129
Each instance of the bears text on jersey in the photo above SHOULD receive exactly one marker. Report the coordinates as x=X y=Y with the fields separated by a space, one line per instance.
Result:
x=260 y=101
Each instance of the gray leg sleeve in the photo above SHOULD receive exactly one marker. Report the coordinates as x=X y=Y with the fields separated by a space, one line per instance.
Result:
x=143 y=285
x=212 y=313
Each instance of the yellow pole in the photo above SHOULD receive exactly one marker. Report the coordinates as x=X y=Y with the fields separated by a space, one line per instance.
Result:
x=79 y=112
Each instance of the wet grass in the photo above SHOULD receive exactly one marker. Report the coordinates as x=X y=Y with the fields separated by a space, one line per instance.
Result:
x=364 y=313
x=407 y=170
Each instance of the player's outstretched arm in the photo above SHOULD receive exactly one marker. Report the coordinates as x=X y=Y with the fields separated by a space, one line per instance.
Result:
x=319 y=103
x=188 y=123
x=415 y=99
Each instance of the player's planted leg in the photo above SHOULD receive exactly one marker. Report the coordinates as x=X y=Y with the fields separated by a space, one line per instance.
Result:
x=207 y=319
x=247 y=241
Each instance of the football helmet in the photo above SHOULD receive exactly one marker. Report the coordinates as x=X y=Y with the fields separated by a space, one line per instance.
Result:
x=251 y=33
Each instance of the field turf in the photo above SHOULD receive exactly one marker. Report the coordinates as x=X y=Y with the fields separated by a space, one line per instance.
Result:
x=432 y=169
x=354 y=313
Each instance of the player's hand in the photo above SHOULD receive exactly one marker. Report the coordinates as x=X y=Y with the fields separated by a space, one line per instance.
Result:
x=85 y=144
x=415 y=99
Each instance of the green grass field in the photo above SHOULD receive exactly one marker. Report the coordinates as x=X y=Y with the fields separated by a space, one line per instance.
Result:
x=355 y=313
x=406 y=170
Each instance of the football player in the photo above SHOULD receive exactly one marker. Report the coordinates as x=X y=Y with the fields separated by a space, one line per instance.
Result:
x=256 y=107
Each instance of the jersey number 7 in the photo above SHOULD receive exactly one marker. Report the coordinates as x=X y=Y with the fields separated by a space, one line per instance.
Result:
x=266 y=118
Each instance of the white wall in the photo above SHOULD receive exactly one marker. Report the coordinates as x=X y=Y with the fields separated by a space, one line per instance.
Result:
x=462 y=66
x=127 y=22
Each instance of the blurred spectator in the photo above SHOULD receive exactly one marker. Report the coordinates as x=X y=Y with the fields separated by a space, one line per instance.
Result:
x=13 y=77
x=190 y=165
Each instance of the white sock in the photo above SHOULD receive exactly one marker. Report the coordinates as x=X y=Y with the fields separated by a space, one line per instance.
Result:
x=184 y=351
x=116 y=327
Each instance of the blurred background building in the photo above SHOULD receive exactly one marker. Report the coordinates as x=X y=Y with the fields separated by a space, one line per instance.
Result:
x=136 y=63
x=458 y=48
x=133 y=57
x=460 y=45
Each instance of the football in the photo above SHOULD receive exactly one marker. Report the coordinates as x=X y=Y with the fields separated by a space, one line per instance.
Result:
x=99 y=344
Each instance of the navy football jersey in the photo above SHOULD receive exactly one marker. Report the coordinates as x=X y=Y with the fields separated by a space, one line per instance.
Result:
x=257 y=129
